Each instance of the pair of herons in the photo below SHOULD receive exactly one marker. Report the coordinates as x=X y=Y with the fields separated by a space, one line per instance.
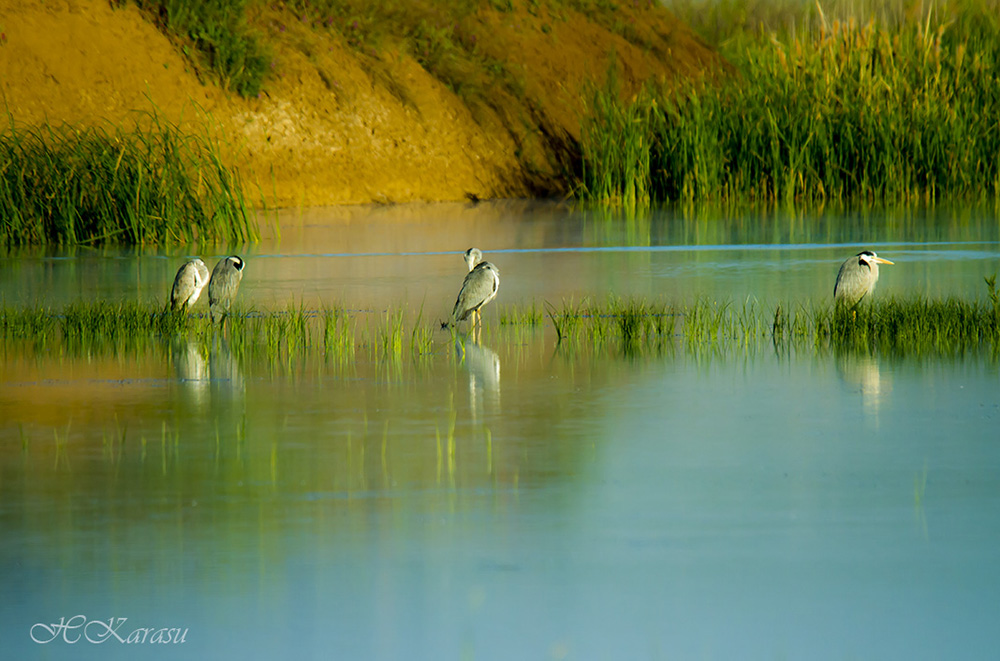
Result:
x=223 y=284
x=855 y=280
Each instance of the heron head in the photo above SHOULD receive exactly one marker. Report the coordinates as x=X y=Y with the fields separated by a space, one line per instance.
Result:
x=472 y=257
x=238 y=263
x=868 y=258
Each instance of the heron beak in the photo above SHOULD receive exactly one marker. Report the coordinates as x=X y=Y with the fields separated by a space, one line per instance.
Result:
x=883 y=261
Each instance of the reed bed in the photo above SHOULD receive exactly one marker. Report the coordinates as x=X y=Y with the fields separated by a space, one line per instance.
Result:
x=847 y=112
x=87 y=185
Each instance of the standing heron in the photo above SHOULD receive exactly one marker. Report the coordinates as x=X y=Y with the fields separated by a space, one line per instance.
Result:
x=856 y=278
x=479 y=288
x=223 y=286
x=188 y=283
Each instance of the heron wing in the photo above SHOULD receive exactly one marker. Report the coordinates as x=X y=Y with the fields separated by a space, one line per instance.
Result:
x=184 y=285
x=202 y=271
x=854 y=281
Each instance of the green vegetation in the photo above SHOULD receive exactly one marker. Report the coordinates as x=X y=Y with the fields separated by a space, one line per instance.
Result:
x=889 y=326
x=278 y=336
x=896 y=110
x=153 y=185
x=627 y=326
x=217 y=32
x=511 y=315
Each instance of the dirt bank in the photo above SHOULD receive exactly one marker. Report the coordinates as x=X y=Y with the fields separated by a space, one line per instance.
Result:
x=330 y=128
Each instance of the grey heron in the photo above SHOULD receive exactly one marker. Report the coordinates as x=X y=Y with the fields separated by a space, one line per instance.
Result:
x=223 y=285
x=479 y=288
x=191 y=278
x=856 y=278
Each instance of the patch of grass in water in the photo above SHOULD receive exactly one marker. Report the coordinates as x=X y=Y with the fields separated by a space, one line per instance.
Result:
x=630 y=327
x=914 y=325
x=421 y=338
x=892 y=325
x=19 y=322
x=338 y=336
x=628 y=323
x=519 y=315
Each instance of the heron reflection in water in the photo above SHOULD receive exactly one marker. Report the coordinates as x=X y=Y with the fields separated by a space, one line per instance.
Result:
x=227 y=377
x=860 y=373
x=483 y=367
x=191 y=368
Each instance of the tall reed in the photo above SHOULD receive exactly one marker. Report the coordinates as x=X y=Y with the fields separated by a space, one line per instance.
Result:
x=852 y=113
x=615 y=148
x=151 y=185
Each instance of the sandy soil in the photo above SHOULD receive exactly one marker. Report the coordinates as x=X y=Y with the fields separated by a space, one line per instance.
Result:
x=327 y=130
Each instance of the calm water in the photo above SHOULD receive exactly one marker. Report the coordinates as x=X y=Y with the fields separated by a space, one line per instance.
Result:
x=508 y=499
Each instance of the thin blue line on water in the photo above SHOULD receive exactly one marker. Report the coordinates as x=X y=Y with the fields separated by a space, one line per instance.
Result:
x=671 y=248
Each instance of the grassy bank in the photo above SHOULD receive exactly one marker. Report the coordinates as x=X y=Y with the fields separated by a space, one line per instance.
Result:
x=152 y=185
x=887 y=111
x=215 y=35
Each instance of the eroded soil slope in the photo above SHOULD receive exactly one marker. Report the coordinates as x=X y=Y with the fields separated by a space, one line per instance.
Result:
x=333 y=127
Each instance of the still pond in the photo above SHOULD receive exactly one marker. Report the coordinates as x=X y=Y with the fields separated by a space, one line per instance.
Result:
x=499 y=496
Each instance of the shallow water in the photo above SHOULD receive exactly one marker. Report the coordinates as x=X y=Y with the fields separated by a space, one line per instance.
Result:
x=509 y=499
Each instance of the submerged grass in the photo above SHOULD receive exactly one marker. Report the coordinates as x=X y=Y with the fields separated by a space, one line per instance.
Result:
x=151 y=185
x=876 y=112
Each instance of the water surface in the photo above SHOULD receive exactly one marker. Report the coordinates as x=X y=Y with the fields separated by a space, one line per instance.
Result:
x=509 y=498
